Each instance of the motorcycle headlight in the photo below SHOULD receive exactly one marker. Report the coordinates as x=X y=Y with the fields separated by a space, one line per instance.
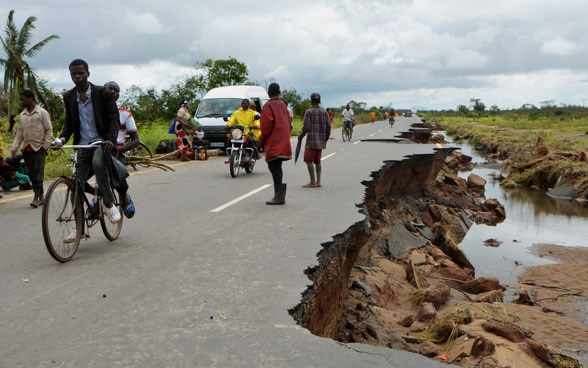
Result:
x=237 y=133
x=199 y=134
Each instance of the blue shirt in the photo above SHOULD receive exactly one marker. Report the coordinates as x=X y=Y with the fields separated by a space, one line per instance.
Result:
x=88 y=131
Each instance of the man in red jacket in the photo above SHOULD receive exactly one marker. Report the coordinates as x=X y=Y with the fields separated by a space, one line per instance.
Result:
x=275 y=138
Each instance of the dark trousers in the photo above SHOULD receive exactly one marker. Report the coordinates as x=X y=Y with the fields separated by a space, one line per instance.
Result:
x=124 y=187
x=275 y=168
x=35 y=164
x=93 y=160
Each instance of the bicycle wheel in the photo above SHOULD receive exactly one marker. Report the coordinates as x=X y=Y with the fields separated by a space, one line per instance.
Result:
x=140 y=151
x=346 y=134
x=62 y=220
x=110 y=230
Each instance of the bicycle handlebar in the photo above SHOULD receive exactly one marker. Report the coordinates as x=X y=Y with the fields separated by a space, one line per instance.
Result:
x=81 y=146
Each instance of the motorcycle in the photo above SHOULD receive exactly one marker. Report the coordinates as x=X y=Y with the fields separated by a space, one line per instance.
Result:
x=391 y=120
x=240 y=155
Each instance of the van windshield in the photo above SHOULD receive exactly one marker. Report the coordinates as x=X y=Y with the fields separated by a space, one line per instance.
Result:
x=217 y=107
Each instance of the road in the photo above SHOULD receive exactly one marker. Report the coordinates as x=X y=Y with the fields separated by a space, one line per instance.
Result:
x=203 y=276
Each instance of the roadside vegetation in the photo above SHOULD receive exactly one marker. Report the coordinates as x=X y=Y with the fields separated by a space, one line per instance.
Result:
x=539 y=147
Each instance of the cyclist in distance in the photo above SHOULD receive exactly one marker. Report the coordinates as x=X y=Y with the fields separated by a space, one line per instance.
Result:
x=348 y=117
x=127 y=126
x=91 y=115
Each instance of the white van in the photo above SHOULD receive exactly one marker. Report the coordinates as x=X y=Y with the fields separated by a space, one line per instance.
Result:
x=221 y=102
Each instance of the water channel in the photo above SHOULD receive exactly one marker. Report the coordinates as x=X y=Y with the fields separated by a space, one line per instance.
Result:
x=532 y=218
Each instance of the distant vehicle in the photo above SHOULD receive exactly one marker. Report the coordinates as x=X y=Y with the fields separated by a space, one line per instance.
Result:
x=221 y=102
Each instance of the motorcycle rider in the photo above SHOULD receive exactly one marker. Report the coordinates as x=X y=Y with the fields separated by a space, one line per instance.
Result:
x=249 y=119
x=348 y=117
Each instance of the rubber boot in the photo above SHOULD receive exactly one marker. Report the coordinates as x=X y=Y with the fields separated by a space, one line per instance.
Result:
x=282 y=194
x=279 y=195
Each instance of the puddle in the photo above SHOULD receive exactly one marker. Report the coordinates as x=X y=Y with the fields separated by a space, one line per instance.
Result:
x=531 y=218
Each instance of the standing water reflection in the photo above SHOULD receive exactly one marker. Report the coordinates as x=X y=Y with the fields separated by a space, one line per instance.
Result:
x=531 y=218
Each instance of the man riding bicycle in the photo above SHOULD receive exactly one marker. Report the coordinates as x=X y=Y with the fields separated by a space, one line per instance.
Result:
x=91 y=115
x=348 y=117
x=248 y=117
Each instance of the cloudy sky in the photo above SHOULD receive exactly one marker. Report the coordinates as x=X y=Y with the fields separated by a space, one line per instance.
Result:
x=433 y=54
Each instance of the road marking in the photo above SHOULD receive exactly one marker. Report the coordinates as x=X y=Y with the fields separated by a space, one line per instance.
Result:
x=356 y=142
x=327 y=156
x=236 y=200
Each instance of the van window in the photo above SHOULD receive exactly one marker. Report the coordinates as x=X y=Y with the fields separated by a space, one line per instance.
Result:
x=217 y=107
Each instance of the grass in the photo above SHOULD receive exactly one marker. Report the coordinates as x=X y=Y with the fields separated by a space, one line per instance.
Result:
x=538 y=152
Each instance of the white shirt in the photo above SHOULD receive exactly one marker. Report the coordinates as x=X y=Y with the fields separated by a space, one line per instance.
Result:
x=348 y=114
x=127 y=125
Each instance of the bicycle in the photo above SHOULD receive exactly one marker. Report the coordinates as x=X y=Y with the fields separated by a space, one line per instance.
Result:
x=140 y=151
x=67 y=212
x=347 y=131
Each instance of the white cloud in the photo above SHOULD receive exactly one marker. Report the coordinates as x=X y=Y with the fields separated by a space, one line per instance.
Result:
x=559 y=47
x=146 y=23
x=430 y=53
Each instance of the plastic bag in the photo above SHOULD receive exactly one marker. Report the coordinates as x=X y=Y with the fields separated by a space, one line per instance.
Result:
x=172 y=127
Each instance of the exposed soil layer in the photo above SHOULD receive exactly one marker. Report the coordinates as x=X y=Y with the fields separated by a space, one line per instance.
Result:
x=399 y=279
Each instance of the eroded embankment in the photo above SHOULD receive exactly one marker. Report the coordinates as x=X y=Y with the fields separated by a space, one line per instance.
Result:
x=398 y=278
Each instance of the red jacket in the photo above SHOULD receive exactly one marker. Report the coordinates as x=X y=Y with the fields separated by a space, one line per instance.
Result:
x=275 y=130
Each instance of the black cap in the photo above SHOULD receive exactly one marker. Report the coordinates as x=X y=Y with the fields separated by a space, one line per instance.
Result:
x=315 y=97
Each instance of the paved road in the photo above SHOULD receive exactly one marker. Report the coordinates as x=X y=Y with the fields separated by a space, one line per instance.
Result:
x=203 y=276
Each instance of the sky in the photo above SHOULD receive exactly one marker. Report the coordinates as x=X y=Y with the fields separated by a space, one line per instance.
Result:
x=417 y=54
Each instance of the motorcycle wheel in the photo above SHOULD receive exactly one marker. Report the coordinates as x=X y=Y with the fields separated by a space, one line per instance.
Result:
x=249 y=168
x=235 y=163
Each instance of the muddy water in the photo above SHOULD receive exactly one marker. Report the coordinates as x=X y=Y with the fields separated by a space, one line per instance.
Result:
x=531 y=218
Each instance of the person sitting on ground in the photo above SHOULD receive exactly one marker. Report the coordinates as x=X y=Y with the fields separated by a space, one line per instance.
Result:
x=185 y=127
x=127 y=126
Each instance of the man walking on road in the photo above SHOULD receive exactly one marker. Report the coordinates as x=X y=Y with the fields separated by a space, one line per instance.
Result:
x=275 y=138
x=318 y=127
x=34 y=133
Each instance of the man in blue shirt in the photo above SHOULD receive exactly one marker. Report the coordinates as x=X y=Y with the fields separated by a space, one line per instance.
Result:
x=91 y=114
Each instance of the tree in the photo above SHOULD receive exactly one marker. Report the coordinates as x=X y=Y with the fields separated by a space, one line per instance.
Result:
x=292 y=98
x=478 y=105
x=218 y=73
x=463 y=109
x=357 y=106
x=18 y=74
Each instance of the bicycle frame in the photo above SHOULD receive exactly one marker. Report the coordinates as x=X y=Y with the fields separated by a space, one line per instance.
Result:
x=61 y=212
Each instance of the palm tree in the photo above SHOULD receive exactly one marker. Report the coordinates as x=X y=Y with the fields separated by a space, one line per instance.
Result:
x=18 y=74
